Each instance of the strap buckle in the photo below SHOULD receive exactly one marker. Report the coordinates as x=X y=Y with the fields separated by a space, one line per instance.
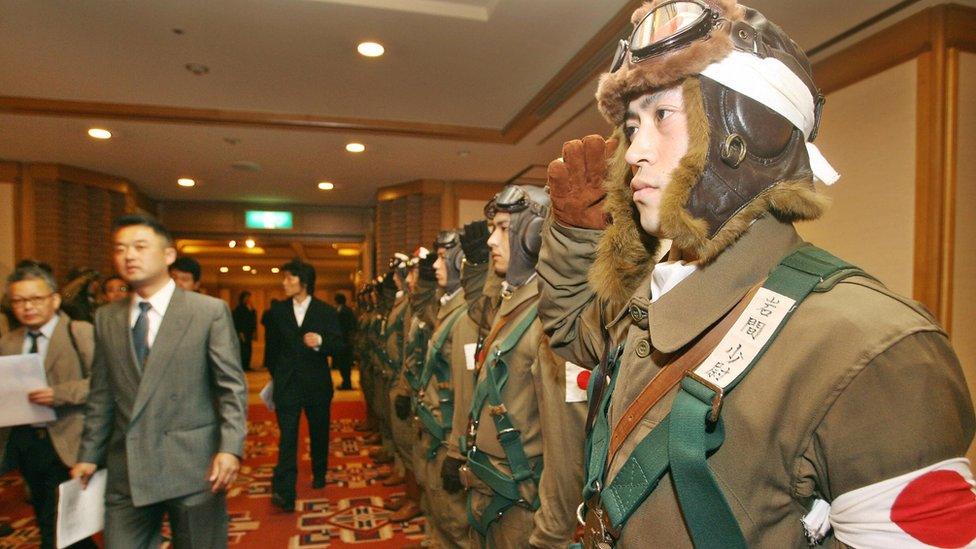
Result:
x=716 y=398
x=598 y=533
x=509 y=430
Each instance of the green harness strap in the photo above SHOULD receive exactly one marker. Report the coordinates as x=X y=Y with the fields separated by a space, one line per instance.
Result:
x=694 y=430
x=436 y=365
x=488 y=391
x=415 y=350
x=395 y=327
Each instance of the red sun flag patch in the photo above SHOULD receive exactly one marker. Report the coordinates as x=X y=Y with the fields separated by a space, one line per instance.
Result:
x=938 y=509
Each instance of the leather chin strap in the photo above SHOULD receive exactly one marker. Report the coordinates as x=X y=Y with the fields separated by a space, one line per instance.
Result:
x=525 y=240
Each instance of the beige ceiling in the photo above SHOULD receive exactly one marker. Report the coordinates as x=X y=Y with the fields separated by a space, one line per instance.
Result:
x=463 y=63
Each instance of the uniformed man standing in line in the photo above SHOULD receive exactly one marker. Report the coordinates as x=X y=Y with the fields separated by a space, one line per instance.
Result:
x=754 y=390
x=419 y=325
x=402 y=427
x=482 y=294
x=503 y=442
x=435 y=408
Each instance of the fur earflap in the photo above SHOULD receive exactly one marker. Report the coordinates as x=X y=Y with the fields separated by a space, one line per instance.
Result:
x=618 y=88
x=625 y=255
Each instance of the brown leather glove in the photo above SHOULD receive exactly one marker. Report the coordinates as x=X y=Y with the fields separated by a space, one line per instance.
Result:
x=575 y=182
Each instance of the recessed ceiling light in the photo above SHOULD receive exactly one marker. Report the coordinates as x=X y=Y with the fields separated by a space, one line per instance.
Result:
x=275 y=270
x=232 y=244
x=370 y=49
x=185 y=182
x=246 y=268
x=100 y=133
x=355 y=147
x=326 y=185
x=224 y=270
x=249 y=242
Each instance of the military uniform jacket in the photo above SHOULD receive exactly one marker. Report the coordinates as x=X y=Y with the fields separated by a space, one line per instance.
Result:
x=454 y=305
x=860 y=386
x=518 y=394
x=392 y=339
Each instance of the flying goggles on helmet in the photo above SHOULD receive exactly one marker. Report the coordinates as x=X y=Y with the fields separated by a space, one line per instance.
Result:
x=668 y=27
x=447 y=239
x=514 y=199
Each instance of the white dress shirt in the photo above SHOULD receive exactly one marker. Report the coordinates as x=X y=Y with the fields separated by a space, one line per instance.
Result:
x=159 y=302
x=47 y=330
x=666 y=276
x=301 y=307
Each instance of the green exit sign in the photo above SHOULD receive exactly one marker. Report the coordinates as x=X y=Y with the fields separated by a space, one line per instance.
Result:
x=260 y=219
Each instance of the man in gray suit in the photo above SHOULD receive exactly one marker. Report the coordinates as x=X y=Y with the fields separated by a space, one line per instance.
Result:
x=43 y=453
x=168 y=401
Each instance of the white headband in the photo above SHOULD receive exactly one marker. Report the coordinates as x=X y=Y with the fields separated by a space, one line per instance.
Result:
x=771 y=83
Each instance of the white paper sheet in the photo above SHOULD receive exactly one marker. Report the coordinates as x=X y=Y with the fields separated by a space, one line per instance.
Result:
x=469 y=358
x=81 y=513
x=266 y=395
x=22 y=374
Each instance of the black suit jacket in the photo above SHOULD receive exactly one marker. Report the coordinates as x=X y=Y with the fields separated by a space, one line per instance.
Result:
x=347 y=321
x=301 y=375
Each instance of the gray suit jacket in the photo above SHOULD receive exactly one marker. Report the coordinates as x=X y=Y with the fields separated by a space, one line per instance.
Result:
x=157 y=431
x=67 y=373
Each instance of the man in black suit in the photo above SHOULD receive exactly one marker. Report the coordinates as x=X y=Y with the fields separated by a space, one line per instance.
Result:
x=303 y=331
x=246 y=323
x=343 y=359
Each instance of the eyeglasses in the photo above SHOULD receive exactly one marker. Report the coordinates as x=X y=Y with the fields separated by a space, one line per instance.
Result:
x=668 y=27
x=20 y=302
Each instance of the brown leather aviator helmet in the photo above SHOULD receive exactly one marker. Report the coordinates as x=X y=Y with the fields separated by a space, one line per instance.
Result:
x=744 y=158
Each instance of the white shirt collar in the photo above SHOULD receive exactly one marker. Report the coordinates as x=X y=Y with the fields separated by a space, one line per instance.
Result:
x=666 y=276
x=447 y=297
x=48 y=328
x=159 y=300
x=303 y=304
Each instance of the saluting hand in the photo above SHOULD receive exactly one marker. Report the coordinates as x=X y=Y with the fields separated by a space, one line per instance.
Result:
x=575 y=182
x=312 y=340
x=223 y=471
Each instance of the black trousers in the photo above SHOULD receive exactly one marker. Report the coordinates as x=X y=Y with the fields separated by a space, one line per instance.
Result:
x=286 y=471
x=31 y=451
x=246 y=349
x=342 y=360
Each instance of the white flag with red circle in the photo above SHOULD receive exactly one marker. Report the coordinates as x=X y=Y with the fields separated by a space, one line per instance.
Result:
x=932 y=507
x=577 y=379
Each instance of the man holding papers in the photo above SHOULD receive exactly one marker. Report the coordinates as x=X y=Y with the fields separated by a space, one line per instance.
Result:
x=168 y=401
x=43 y=452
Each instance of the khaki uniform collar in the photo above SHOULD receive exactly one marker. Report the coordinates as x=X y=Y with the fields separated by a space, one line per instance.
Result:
x=452 y=305
x=701 y=299
x=523 y=293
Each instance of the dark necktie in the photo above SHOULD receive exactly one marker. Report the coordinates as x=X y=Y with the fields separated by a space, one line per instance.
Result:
x=34 y=336
x=140 y=334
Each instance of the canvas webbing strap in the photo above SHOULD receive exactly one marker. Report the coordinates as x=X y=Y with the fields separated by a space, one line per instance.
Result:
x=694 y=428
x=436 y=366
x=488 y=391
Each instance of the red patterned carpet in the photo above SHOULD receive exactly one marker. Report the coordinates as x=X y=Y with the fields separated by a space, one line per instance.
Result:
x=347 y=513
